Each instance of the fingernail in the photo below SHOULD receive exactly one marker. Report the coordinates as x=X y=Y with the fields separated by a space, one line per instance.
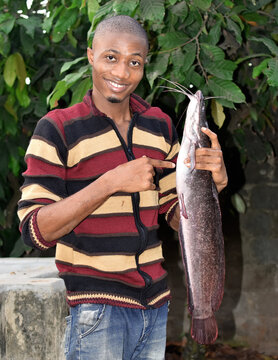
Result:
x=203 y=128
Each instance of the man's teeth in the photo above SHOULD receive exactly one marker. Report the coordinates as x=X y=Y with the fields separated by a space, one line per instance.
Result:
x=116 y=85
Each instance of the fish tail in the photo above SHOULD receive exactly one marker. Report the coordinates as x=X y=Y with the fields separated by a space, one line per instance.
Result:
x=204 y=331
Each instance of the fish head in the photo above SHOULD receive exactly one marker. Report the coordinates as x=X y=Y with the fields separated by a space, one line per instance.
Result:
x=194 y=114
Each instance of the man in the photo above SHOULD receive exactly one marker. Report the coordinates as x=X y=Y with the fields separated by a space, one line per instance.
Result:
x=98 y=174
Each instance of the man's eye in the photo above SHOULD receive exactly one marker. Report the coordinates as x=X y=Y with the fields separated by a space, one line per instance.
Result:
x=135 y=63
x=110 y=57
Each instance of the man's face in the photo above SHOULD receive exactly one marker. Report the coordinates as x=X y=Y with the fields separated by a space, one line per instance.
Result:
x=117 y=61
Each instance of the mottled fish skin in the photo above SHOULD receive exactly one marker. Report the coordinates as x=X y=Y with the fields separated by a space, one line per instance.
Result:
x=200 y=232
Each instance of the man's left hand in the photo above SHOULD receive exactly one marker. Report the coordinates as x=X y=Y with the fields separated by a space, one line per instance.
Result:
x=211 y=159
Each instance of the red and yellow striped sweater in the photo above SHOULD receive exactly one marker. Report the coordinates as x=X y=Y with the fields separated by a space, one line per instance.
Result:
x=113 y=256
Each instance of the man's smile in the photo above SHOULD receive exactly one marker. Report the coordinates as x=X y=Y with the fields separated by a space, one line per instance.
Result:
x=115 y=86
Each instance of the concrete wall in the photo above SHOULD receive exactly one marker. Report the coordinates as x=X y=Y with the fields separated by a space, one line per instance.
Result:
x=32 y=310
x=256 y=312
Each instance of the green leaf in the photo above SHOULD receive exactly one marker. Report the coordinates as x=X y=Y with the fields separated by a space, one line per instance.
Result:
x=171 y=40
x=10 y=125
x=257 y=70
x=223 y=69
x=239 y=203
x=66 y=20
x=6 y=23
x=30 y=24
x=124 y=7
x=80 y=91
x=180 y=9
x=10 y=70
x=217 y=113
x=215 y=33
x=238 y=20
x=231 y=25
x=214 y=53
x=59 y=90
x=9 y=106
x=183 y=59
x=5 y=44
x=27 y=43
x=72 y=39
x=255 y=18
x=22 y=96
x=226 y=89
x=152 y=10
x=157 y=67
x=47 y=23
x=272 y=72
x=103 y=11
x=73 y=77
x=203 y=4
x=14 y=165
x=267 y=42
x=20 y=70
x=67 y=65
x=93 y=6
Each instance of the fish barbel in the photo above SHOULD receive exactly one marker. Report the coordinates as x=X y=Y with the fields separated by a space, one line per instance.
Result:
x=200 y=232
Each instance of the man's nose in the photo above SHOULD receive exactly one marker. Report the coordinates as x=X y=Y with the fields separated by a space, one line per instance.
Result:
x=120 y=70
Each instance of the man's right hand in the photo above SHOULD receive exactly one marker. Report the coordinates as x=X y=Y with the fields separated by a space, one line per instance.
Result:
x=137 y=175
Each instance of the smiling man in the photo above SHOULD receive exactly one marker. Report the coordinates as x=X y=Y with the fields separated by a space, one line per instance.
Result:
x=98 y=174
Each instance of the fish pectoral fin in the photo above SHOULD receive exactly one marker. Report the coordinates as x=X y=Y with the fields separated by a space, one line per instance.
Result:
x=182 y=207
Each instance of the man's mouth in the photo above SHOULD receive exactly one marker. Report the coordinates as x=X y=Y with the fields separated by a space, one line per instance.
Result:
x=116 y=86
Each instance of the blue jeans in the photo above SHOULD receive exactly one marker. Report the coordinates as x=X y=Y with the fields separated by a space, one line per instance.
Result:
x=104 y=332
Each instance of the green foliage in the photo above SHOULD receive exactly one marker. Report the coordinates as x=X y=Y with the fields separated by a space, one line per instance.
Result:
x=227 y=50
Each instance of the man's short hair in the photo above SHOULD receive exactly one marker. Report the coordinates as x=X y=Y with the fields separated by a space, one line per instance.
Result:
x=122 y=23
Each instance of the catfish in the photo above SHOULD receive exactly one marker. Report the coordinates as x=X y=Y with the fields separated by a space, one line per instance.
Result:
x=200 y=230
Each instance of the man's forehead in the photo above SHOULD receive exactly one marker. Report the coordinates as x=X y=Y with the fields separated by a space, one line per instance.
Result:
x=116 y=40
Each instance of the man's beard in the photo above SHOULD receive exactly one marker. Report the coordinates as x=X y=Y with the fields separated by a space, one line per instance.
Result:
x=114 y=100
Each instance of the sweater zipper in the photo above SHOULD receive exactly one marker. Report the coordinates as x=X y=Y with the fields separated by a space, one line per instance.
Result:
x=143 y=233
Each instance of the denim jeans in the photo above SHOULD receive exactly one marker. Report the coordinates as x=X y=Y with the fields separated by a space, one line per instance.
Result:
x=104 y=332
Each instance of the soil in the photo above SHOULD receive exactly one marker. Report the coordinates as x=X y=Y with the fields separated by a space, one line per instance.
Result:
x=175 y=351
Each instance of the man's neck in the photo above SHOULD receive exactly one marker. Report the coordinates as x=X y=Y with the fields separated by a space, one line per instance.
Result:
x=118 y=112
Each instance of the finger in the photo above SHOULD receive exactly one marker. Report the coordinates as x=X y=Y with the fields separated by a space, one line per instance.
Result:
x=162 y=163
x=209 y=154
x=213 y=138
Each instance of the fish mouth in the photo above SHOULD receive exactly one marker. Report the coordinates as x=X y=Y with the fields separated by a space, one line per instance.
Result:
x=199 y=95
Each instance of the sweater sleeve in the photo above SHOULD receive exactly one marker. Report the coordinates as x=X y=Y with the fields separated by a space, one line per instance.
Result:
x=168 y=199
x=44 y=179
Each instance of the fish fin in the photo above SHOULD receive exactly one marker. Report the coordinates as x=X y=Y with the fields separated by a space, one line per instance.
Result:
x=204 y=331
x=219 y=280
x=183 y=208
x=183 y=253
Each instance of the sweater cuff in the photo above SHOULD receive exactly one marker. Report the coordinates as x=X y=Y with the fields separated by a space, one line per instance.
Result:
x=35 y=234
x=170 y=213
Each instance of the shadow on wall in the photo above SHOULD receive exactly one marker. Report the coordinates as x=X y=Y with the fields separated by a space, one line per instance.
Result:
x=233 y=246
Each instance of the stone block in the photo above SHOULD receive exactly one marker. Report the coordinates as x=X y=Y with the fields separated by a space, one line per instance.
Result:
x=32 y=310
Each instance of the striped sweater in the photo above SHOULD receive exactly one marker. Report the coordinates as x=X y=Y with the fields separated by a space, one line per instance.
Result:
x=113 y=256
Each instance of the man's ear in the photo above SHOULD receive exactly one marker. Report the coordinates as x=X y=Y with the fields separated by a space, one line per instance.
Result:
x=90 y=55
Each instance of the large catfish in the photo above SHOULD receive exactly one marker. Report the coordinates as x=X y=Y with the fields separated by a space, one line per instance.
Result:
x=200 y=232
